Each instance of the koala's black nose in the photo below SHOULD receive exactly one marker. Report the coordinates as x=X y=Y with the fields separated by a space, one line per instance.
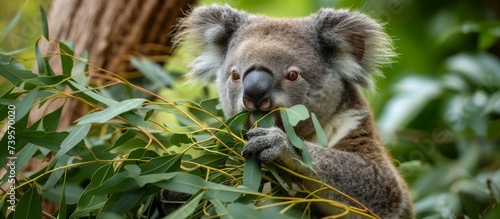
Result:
x=257 y=85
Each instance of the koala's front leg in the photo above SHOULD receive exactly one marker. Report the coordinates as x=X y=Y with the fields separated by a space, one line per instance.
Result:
x=268 y=144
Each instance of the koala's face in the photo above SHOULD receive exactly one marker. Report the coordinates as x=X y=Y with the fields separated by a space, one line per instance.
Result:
x=261 y=63
x=275 y=63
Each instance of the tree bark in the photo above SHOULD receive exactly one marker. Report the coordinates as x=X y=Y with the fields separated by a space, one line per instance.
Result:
x=110 y=31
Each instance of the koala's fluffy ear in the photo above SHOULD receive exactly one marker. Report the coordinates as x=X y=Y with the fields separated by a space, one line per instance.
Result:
x=356 y=44
x=208 y=30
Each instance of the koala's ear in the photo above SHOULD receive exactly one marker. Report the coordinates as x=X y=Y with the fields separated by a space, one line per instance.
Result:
x=208 y=31
x=356 y=44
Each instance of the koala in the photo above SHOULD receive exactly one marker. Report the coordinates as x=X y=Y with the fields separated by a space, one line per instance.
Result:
x=322 y=62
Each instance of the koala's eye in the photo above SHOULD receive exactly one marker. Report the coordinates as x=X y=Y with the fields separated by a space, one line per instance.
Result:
x=235 y=75
x=292 y=76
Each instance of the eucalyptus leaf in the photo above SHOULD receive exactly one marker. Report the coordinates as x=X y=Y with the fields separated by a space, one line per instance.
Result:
x=111 y=112
x=63 y=208
x=252 y=173
x=179 y=139
x=127 y=146
x=119 y=203
x=188 y=208
x=152 y=71
x=162 y=164
x=24 y=155
x=320 y=134
x=221 y=209
x=48 y=140
x=45 y=26
x=66 y=60
x=56 y=175
x=50 y=122
x=87 y=202
x=274 y=171
x=29 y=205
x=263 y=120
x=296 y=114
x=115 y=184
x=39 y=58
x=188 y=183
x=296 y=141
x=23 y=107
x=74 y=137
x=129 y=134
x=89 y=95
x=80 y=68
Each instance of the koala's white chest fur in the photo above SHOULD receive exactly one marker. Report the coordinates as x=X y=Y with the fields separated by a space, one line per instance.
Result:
x=341 y=124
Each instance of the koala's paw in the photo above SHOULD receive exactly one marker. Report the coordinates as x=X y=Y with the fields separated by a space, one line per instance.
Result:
x=267 y=144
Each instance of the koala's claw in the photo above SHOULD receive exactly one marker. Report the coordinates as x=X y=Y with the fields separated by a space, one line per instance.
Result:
x=265 y=143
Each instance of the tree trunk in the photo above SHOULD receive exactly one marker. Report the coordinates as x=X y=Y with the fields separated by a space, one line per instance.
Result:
x=110 y=31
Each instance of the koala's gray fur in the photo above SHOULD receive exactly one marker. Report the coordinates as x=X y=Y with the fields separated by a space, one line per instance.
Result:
x=334 y=52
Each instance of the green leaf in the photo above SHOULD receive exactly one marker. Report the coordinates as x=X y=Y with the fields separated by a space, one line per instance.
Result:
x=249 y=211
x=120 y=203
x=74 y=137
x=296 y=114
x=210 y=160
x=276 y=175
x=252 y=174
x=48 y=140
x=156 y=177
x=134 y=118
x=29 y=205
x=162 y=164
x=296 y=141
x=50 y=122
x=15 y=75
x=89 y=95
x=63 y=208
x=263 y=120
x=88 y=202
x=117 y=183
x=45 y=26
x=210 y=105
x=188 y=183
x=188 y=208
x=111 y=112
x=152 y=71
x=79 y=69
x=148 y=114
x=39 y=58
x=24 y=156
x=179 y=139
x=129 y=134
x=235 y=123
x=56 y=175
x=66 y=60
x=409 y=101
x=23 y=107
x=221 y=209
x=48 y=81
x=471 y=206
x=320 y=134
x=128 y=145
x=486 y=40
x=292 y=136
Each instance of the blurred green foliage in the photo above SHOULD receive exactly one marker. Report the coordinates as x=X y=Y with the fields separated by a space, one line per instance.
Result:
x=438 y=106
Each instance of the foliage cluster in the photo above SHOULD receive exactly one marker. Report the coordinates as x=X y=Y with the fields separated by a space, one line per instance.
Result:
x=115 y=160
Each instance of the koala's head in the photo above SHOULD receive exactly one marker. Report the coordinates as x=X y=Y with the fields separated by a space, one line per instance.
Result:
x=261 y=63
